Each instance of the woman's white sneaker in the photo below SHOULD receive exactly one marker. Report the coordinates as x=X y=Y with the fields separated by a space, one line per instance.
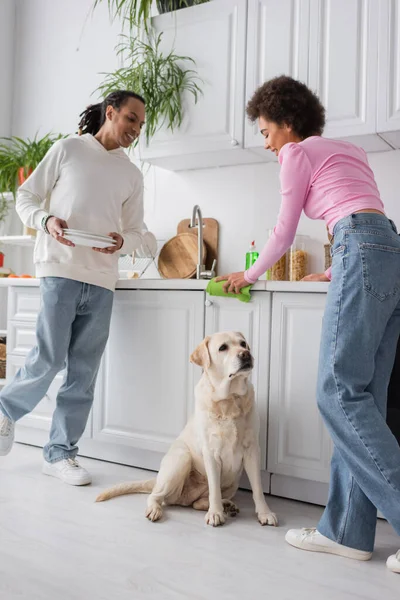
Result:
x=68 y=470
x=6 y=434
x=313 y=541
x=393 y=562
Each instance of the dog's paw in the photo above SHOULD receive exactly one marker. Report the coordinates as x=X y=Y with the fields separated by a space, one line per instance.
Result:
x=215 y=518
x=230 y=508
x=154 y=513
x=268 y=518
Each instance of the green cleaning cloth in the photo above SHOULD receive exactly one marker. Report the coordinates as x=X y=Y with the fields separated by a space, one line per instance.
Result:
x=214 y=288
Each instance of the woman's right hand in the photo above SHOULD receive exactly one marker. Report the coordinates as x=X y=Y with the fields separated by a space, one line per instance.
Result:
x=55 y=228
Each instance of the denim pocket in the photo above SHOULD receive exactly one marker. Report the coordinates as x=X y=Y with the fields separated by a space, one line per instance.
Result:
x=380 y=269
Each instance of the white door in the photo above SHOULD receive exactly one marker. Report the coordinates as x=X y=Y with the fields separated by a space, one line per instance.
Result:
x=299 y=445
x=343 y=64
x=214 y=35
x=389 y=71
x=145 y=389
x=277 y=44
x=253 y=320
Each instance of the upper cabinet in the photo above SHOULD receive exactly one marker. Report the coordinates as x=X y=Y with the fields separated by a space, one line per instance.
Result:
x=277 y=43
x=389 y=71
x=343 y=64
x=347 y=51
x=214 y=36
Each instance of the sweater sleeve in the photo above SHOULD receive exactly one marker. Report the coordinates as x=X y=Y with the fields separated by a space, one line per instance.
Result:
x=37 y=188
x=295 y=179
x=132 y=220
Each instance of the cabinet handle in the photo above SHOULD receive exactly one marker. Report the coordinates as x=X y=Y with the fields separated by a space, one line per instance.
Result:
x=234 y=143
x=208 y=302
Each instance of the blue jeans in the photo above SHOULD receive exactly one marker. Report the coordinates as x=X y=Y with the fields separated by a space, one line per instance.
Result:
x=360 y=331
x=72 y=331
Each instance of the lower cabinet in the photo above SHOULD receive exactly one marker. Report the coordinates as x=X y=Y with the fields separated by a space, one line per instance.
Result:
x=145 y=387
x=299 y=447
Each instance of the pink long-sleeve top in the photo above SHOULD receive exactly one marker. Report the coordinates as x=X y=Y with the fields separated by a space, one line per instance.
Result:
x=329 y=180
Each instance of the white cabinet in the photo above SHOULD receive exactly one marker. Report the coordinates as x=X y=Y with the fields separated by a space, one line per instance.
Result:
x=277 y=44
x=253 y=320
x=299 y=445
x=214 y=35
x=343 y=64
x=145 y=390
x=389 y=71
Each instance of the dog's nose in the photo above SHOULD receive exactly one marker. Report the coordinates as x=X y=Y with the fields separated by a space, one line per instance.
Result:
x=245 y=355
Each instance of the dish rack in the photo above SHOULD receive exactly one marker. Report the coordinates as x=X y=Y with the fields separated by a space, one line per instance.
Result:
x=137 y=264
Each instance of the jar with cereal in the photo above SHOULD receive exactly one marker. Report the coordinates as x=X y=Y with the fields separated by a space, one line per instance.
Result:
x=278 y=271
x=298 y=258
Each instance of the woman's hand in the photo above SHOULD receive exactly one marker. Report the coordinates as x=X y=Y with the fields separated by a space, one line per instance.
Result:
x=315 y=277
x=55 y=228
x=115 y=247
x=234 y=282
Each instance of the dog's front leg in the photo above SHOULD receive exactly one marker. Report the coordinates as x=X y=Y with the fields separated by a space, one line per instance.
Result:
x=215 y=515
x=253 y=470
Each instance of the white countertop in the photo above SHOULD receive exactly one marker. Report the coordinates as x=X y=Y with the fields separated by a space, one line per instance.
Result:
x=187 y=284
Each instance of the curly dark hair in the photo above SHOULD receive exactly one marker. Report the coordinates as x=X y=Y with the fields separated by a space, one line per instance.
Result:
x=284 y=100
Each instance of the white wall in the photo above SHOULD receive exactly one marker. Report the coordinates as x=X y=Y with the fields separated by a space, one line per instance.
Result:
x=58 y=58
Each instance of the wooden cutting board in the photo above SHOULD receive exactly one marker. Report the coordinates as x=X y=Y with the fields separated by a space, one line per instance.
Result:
x=178 y=257
x=210 y=238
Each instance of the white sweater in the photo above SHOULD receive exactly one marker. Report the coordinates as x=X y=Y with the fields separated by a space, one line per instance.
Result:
x=93 y=189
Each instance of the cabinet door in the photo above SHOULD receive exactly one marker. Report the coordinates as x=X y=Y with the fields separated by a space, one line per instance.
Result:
x=145 y=391
x=253 y=320
x=277 y=44
x=343 y=64
x=214 y=35
x=299 y=445
x=389 y=71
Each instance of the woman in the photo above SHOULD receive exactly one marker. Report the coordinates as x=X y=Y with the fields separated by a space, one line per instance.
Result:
x=331 y=180
x=84 y=182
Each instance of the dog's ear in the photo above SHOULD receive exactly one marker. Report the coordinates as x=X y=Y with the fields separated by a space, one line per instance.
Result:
x=201 y=355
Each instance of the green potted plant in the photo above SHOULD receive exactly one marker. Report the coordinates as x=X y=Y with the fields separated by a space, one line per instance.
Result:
x=138 y=12
x=18 y=158
x=157 y=76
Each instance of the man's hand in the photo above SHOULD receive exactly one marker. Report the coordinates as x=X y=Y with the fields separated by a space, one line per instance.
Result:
x=315 y=277
x=234 y=282
x=115 y=247
x=55 y=228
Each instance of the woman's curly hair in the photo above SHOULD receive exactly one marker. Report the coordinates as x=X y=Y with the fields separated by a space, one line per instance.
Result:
x=285 y=100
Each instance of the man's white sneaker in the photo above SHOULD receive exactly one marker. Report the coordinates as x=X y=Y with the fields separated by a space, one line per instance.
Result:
x=312 y=540
x=6 y=434
x=68 y=470
x=393 y=562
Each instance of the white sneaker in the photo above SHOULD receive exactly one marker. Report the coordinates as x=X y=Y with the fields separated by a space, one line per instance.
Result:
x=312 y=540
x=393 y=562
x=6 y=434
x=68 y=470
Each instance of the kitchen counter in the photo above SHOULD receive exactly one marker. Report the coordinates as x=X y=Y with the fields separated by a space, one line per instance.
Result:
x=187 y=284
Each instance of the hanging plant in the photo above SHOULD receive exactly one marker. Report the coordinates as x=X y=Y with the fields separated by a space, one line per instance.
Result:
x=156 y=76
x=138 y=12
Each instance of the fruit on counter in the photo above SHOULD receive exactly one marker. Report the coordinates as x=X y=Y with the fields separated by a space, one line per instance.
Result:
x=26 y=276
x=12 y=275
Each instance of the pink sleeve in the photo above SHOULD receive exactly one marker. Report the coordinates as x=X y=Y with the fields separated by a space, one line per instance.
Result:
x=295 y=183
x=328 y=273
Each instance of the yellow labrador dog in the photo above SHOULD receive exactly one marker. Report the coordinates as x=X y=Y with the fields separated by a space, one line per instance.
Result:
x=203 y=466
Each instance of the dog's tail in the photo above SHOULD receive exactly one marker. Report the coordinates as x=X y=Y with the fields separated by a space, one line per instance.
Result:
x=135 y=487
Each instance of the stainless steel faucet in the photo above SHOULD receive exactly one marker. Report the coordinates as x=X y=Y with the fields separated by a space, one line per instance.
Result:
x=201 y=272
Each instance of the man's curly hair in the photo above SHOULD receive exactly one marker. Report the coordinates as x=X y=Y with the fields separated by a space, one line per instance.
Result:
x=284 y=100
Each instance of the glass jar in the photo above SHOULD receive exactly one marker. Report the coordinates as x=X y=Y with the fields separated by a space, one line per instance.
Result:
x=278 y=271
x=298 y=258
